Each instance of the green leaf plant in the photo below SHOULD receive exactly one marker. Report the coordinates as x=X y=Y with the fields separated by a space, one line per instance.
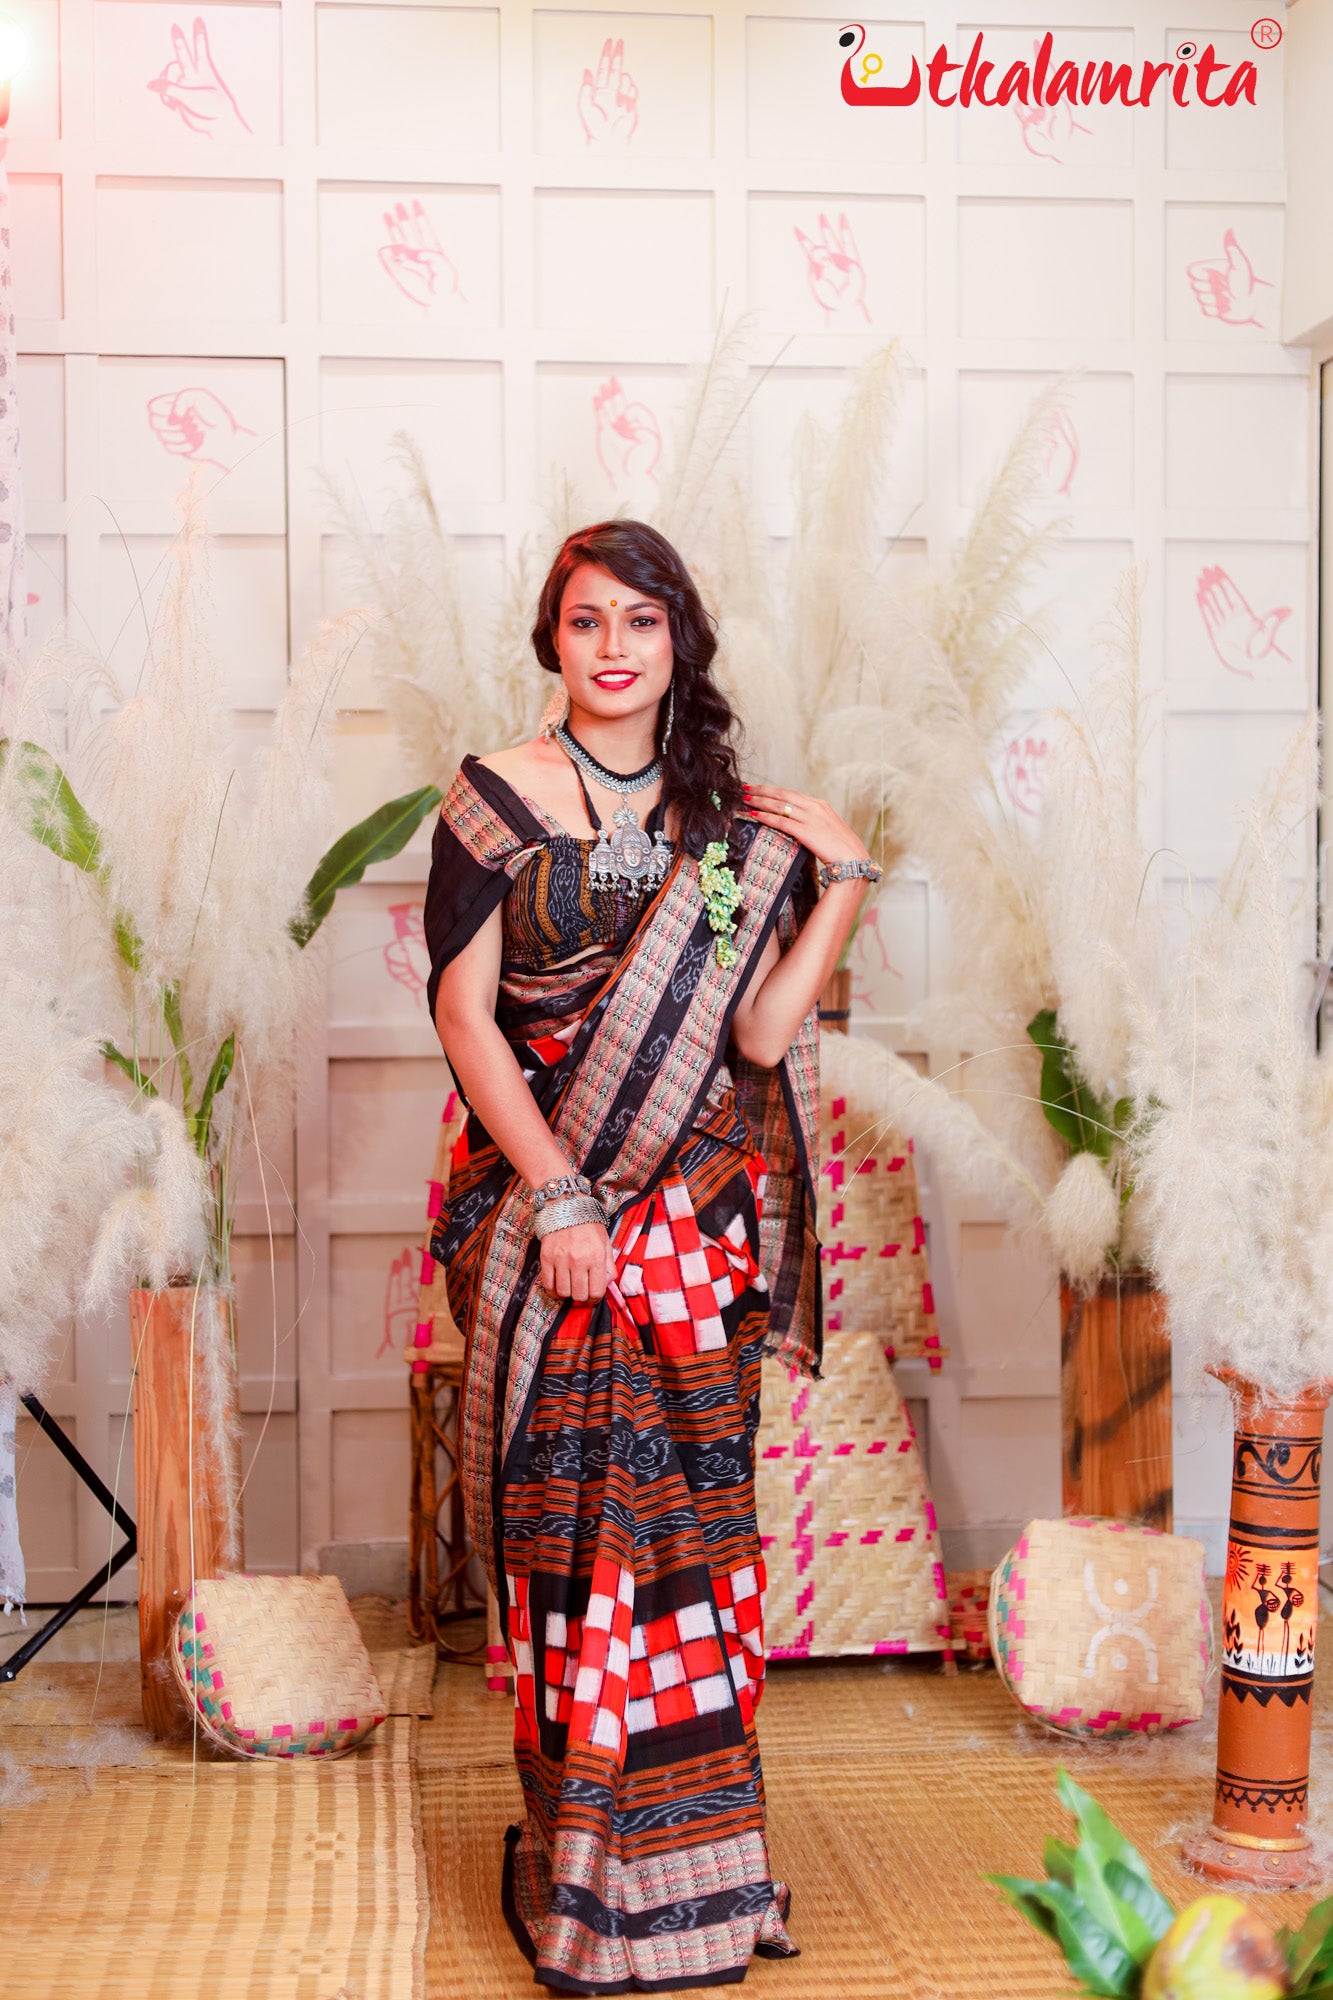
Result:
x=1086 y=1122
x=54 y=816
x=1123 y=1939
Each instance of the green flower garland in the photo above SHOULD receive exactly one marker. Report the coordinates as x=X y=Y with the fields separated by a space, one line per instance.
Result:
x=722 y=897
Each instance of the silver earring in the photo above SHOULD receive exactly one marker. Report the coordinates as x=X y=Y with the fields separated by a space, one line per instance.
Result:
x=555 y=711
x=671 y=717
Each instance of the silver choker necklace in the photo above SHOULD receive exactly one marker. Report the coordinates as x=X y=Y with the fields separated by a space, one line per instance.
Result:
x=614 y=781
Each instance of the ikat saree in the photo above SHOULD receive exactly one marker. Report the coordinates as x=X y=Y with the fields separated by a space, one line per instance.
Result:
x=608 y=1448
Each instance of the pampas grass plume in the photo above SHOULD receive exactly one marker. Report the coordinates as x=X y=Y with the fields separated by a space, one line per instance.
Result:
x=1083 y=1220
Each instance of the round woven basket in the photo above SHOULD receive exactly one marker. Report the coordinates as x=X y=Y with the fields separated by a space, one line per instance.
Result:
x=274 y=1666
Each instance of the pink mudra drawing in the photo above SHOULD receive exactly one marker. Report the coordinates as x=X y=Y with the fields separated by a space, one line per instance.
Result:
x=1063 y=452
x=1047 y=129
x=400 y=1302
x=1226 y=289
x=833 y=269
x=196 y=424
x=406 y=958
x=414 y=257
x=870 y=960
x=191 y=85
x=628 y=436
x=1241 y=637
x=608 y=102
x=1024 y=777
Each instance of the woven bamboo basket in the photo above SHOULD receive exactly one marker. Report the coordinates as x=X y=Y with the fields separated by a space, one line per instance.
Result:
x=274 y=1666
x=1103 y=1628
x=845 y=1517
x=876 y=1267
x=969 y=1607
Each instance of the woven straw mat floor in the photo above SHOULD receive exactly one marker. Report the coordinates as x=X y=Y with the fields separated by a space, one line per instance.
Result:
x=126 y=1874
x=131 y=1870
x=890 y=1789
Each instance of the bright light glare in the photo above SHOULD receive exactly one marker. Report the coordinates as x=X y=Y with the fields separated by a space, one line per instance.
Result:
x=13 y=49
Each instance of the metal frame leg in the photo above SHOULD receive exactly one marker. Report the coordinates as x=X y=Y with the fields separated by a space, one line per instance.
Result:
x=11 y=1668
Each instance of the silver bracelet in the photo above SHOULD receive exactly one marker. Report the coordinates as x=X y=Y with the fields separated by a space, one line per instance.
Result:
x=566 y=1213
x=557 y=1187
x=848 y=871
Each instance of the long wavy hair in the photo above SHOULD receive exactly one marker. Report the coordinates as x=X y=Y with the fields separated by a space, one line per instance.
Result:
x=701 y=758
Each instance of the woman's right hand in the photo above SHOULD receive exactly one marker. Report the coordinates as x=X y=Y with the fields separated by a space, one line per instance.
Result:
x=576 y=1262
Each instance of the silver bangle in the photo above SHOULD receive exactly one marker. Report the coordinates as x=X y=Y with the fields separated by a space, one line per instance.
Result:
x=848 y=871
x=567 y=1213
x=557 y=1187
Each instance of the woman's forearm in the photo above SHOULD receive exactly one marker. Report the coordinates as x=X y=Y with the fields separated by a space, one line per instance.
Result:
x=488 y=1073
x=768 y=1023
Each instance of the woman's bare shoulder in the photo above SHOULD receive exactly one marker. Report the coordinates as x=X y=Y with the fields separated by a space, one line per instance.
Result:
x=519 y=760
x=541 y=773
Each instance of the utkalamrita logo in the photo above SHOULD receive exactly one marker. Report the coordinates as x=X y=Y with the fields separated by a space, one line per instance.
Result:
x=1193 y=76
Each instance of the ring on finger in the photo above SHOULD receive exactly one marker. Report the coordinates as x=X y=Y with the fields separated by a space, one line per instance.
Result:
x=787 y=810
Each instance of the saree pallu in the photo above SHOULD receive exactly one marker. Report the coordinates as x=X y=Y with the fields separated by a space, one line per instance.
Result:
x=608 y=1448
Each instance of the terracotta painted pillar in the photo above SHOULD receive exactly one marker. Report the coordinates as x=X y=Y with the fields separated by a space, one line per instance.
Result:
x=1269 y=1615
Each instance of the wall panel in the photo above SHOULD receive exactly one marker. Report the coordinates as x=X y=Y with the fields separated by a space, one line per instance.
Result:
x=251 y=251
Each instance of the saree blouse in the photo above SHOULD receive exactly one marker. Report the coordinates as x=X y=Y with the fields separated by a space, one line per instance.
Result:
x=552 y=915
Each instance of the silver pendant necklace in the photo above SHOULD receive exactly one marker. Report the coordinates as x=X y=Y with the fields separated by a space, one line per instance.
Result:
x=628 y=857
x=614 y=781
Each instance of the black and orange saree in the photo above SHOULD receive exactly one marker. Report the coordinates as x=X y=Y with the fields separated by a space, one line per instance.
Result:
x=608 y=1448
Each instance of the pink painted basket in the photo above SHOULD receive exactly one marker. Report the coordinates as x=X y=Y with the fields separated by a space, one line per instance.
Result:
x=1103 y=1628
x=274 y=1666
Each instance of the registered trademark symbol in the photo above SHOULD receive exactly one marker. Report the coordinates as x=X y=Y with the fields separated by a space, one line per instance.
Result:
x=1266 y=32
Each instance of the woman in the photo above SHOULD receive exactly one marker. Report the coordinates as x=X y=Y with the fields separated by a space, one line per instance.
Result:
x=626 y=949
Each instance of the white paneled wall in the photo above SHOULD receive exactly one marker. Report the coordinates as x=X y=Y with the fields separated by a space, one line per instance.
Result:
x=253 y=241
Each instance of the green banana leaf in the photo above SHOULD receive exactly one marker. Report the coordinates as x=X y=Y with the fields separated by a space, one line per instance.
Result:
x=56 y=818
x=131 y=1068
x=217 y=1076
x=54 y=815
x=1084 y=1120
x=377 y=838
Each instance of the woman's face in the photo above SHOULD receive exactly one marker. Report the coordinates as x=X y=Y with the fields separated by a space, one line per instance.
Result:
x=614 y=645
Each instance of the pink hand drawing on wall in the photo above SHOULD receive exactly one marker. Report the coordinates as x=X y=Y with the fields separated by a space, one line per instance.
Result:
x=1063 y=452
x=1240 y=636
x=608 y=102
x=628 y=435
x=1225 y=288
x=415 y=258
x=191 y=85
x=870 y=960
x=1047 y=129
x=196 y=424
x=1025 y=773
x=407 y=958
x=833 y=268
x=400 y=1302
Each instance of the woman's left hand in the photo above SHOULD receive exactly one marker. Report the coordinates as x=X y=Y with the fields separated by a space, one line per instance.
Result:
x=811 y=821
